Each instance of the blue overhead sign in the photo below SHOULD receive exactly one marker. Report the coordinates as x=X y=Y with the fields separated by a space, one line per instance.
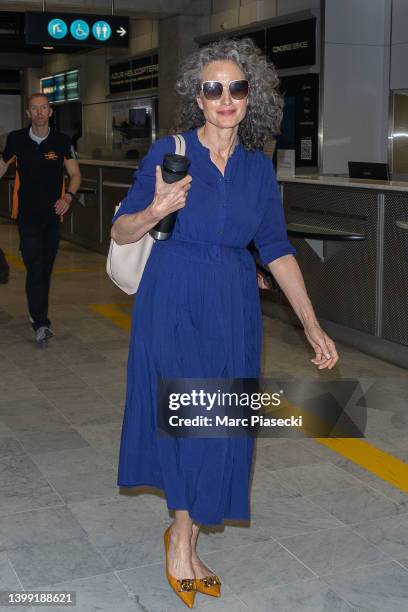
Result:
x=70 y=29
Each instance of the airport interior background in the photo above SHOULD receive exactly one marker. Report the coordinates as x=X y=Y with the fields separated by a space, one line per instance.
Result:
x=329 y=516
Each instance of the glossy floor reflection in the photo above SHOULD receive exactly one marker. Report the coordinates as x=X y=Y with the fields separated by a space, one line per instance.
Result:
x=326 y=535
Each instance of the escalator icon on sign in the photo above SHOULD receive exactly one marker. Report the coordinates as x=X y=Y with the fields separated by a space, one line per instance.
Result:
x=101 y=30
x=57 y=28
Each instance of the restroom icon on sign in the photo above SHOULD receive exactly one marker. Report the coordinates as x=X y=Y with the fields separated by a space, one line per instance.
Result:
x=101 y=30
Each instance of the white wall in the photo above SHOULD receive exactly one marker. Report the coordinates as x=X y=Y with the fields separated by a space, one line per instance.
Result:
x=356 y=82
x=399 y=42
x=10 y=116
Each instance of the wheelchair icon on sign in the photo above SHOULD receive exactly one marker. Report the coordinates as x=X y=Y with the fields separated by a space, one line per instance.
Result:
x=79 y=29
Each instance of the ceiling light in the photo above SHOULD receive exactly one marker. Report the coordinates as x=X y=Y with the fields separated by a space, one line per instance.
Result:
x=48 y=48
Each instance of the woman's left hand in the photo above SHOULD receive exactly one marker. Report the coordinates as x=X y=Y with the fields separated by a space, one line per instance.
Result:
x=262 y=284
x=323 y=346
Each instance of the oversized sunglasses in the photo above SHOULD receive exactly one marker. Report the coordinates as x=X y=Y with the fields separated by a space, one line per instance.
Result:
x=213 y=90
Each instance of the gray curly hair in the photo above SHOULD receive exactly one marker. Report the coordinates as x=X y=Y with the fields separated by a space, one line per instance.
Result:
x=264 y=112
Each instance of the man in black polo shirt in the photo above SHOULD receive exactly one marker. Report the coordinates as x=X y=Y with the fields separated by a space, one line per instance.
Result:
x=39 y=201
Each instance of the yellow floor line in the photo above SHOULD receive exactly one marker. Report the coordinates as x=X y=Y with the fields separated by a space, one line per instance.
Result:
x=17 y=262
x=114 y=314
x=359 y=451
x=378 y=462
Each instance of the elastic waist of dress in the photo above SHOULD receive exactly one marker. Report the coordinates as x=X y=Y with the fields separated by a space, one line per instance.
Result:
x=204 y=251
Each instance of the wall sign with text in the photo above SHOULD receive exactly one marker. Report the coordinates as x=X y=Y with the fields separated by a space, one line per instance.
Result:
x=293 y=44
x=71 y=29
x=133 y=75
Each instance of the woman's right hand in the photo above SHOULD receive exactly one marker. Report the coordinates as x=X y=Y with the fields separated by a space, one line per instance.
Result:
x=169 y=197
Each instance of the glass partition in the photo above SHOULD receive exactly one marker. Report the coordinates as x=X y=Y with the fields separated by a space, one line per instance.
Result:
x=399 y=134
x=118 y=129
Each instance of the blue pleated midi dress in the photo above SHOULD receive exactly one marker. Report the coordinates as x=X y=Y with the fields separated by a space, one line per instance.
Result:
x=197 y=315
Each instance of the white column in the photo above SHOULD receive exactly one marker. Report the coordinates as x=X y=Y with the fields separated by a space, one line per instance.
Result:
x=356 y=82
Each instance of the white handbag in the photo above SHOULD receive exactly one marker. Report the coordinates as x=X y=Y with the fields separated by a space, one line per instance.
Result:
x=126 y=262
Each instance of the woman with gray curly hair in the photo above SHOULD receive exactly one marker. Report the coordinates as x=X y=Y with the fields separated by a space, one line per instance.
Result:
x=197 y=312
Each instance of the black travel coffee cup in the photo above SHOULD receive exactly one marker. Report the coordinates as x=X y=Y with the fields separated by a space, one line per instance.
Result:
x=174 y=168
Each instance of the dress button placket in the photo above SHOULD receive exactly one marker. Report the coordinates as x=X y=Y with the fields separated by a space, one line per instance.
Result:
x=223 y=205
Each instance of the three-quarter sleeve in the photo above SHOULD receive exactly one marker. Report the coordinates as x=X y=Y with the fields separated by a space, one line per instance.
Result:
x=141 y=194
x=271 y=238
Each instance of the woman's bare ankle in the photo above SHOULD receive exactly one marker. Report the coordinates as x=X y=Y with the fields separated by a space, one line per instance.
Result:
x=180 y=536
x=195 y=529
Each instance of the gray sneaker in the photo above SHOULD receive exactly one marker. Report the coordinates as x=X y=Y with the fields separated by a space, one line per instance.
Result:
x=43 y=334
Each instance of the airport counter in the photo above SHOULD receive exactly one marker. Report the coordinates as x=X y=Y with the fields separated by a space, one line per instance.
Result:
x=351 y=238
x=104 y=184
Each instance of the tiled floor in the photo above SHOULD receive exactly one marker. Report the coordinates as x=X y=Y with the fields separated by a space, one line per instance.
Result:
x=325 y=535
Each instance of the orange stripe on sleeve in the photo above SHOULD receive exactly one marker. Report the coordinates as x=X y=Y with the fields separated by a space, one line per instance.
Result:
x=63 y=189
x=17 y=183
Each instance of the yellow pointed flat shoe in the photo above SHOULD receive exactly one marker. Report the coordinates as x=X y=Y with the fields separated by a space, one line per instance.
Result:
x=210 y=585
x=184 y=588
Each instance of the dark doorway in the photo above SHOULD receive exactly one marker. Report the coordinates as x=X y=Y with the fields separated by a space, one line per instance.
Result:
x=68 y=119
